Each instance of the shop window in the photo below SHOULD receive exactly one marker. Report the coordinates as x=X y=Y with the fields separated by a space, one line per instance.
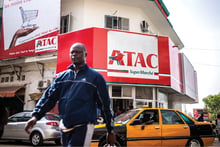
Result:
x=127 y=91
x=144 y=93
x=162 y=98
x=140 y=103
x=122 y=91
x=115 y=22
x=116 y=91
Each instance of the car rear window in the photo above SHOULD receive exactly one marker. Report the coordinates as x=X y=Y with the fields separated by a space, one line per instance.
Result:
x=50 y=116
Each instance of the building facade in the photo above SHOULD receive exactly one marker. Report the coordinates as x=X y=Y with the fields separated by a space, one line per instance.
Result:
x=158 y=75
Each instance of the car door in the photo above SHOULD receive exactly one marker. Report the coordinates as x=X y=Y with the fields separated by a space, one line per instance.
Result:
x=20 y=126
x=11 y=129
x=145 y=132
x=174 y=130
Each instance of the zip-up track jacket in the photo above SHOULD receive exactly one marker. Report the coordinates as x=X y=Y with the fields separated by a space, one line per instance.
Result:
x=78 y=94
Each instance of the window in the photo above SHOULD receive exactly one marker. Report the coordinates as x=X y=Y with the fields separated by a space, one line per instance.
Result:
x=144 y=93
x=186 y=119
x=23 y=77
x=122 y=91
x=147 y=117
x=170 y=117
x=65 y=23
x=17 y=118
x=2 y=79
x=115 y=22
x=116 y=91
x=11 y=79
x=6 y=79
x=127 y=91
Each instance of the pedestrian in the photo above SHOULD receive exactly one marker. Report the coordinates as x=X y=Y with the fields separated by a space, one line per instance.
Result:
x=3 y=116
x=79 y=91
x=201 y=118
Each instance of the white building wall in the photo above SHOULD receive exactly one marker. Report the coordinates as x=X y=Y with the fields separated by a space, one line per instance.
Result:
x=76 y=9
x=33 y=76
x=90 y=13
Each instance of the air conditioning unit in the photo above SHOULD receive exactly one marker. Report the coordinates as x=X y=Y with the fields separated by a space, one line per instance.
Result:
x=144 y=26
x=43 y=84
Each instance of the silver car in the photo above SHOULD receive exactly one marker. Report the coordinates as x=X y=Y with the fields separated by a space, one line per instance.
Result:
x=46 y=129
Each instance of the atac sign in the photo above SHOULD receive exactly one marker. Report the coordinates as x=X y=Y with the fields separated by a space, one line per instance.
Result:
x=45 y=44
x=132 y=55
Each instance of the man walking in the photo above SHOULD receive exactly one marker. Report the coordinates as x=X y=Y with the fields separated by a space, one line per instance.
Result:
x=79 y=91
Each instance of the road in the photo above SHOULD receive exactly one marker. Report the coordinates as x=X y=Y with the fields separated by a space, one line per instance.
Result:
x=11 y=143
x=5 y=143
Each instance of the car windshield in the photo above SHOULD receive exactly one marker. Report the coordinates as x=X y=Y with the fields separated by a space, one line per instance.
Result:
x=126 y=116
x=50 y=116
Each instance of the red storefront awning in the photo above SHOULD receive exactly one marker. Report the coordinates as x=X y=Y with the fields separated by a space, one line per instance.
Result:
x=9 y=91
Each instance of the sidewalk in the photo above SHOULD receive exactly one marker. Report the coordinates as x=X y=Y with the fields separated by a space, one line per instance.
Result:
x=216 y=143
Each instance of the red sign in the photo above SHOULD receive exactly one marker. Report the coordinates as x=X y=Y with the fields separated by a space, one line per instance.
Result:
x=198 y=112
x=24 y=29
x=124 y=63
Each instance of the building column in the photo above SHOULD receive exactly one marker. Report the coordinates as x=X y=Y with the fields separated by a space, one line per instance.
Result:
x=133 y=96
x=154 y=94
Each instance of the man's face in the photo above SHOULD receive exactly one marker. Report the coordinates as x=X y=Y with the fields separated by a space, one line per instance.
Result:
x=77 y=55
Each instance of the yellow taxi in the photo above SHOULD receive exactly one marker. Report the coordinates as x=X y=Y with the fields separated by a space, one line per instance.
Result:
x=156 y=127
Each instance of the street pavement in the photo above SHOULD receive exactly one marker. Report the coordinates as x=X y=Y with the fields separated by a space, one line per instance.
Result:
x=216 y=143
x=5 y=143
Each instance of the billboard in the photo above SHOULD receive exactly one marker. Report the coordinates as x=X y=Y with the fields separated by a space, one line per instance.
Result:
x=132 y=55
x=29 y=27
x=189 y=78
x=121 y=57
x=197 y=113
x=175 y=68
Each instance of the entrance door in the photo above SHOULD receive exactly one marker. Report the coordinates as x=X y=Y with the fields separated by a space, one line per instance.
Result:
x=145 y=130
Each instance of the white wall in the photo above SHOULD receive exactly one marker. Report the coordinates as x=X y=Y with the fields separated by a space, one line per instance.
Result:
x=33 y=76
x=90 y=13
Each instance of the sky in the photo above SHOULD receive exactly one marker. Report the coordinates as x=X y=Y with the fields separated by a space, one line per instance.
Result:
x=197 y=23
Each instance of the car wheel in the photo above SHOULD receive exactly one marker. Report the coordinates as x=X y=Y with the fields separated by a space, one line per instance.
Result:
x=104 y=144
x=58 y=142
x=194 y=143
x=36 y=139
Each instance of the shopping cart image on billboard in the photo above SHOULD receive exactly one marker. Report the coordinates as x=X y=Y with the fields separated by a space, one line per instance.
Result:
x=27 y=16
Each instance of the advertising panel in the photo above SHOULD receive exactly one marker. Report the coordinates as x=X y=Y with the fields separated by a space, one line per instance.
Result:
x=132 y=55
x=29 y=27
x=121 y=57
x=189 y=78
x=175 y=68
x=197 y=113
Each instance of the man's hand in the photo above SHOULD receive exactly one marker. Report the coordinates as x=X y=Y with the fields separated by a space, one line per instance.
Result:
x=31 y=122
x=110 y=138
